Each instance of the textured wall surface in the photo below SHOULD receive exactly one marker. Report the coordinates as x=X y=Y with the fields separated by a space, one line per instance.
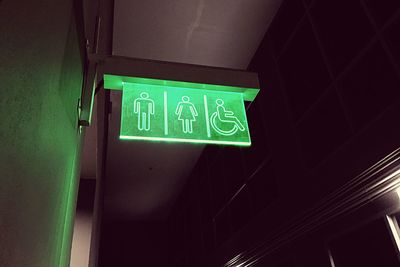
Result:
x=41 y=77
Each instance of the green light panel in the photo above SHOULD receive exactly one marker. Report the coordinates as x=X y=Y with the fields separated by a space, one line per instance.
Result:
x=167 y=113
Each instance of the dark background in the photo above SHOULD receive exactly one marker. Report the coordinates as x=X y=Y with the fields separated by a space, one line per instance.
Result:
x=328 y=109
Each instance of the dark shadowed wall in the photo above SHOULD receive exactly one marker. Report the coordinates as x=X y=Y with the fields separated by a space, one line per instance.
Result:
x=41 y=80
x=328 y=110
x=134 y=243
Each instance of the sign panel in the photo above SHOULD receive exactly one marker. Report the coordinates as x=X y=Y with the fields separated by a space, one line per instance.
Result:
x=169 y=113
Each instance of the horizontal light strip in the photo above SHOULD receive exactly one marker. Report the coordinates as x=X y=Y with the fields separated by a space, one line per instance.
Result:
x=393 y=229
x=181 y=140
x=368 y=188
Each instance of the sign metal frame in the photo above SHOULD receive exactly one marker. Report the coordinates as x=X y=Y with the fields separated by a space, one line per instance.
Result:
x=192 y=112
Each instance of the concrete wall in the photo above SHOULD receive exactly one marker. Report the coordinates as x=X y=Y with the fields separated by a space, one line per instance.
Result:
x=81 y=239
x=81 y=243
x=41 y=77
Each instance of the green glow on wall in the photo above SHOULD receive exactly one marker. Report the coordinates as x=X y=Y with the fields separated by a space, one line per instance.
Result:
x=163 y=112
x=69 y=205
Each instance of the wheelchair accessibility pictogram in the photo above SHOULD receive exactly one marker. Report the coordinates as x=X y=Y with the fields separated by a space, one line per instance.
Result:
x=222 y=118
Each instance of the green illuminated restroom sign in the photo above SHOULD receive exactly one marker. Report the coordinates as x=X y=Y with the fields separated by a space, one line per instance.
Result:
x=162 y=111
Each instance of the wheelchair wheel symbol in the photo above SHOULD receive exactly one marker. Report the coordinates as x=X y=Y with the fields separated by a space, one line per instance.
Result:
x=225 y=117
